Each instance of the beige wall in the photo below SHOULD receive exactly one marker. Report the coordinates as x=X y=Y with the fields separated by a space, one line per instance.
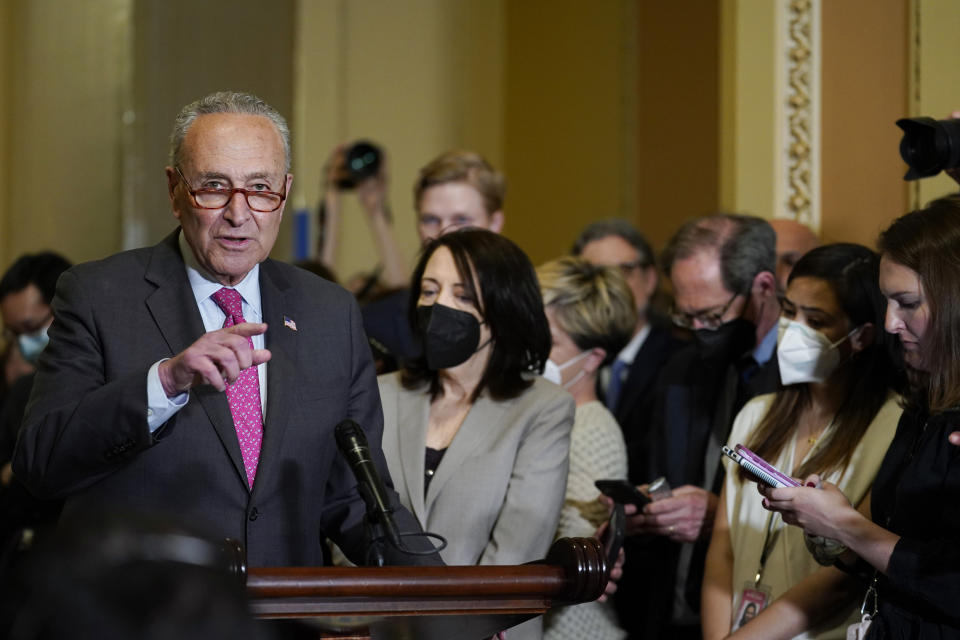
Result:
x=65 y=71
x=748 y=102
x=865 y=65
x=418 y=77
x=6 y=50
x=934 y=80
x=679 y=114
x=568 y=99
x=569 y=86
x=500 y=78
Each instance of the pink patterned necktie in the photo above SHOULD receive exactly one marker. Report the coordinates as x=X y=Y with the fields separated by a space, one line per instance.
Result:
x=244 y=394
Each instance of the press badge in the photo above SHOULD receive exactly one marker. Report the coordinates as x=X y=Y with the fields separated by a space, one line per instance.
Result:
x=753 y=599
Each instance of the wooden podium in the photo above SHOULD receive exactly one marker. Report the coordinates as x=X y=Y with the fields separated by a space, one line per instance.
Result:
x=427 y=603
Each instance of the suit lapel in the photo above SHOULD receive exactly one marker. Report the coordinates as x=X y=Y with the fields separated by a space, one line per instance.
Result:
x=174 y=310
x=640 y=374
x=413 y=416
x=483 y=422
x=281 y=370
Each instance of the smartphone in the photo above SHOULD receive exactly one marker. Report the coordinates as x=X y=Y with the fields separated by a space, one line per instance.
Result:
x=622 y=492
x=759 y=467
x=613 y=536
x=659 y=489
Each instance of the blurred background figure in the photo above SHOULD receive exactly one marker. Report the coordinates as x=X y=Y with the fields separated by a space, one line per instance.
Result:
x=26 y=290
x=111 y=576
x=834 y=414
x=793 y=240
x=476 y=442
x=627 y=379
x=592 y=314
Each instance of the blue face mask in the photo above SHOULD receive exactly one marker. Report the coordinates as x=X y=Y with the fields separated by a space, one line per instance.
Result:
x=31 y=344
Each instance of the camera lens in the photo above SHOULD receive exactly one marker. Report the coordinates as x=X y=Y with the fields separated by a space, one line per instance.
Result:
x=929 y=146
x=362 y=160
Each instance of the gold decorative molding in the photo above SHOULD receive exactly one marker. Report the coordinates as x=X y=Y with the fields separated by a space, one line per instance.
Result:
x=914 y=197
x=798 y=112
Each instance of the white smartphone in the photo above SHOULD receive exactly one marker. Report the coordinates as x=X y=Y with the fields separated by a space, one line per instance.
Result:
x=759 y=467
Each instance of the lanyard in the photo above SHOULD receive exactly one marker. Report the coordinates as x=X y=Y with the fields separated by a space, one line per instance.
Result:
x=769 y=539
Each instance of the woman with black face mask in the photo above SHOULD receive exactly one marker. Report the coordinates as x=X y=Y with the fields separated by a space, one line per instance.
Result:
x=476 y=441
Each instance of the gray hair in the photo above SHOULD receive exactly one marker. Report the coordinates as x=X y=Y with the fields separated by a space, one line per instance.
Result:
x=620 y=228
x=226 y=102
x=746 y=245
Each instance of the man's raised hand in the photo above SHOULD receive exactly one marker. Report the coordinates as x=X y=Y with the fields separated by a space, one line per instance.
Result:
x=216 y=358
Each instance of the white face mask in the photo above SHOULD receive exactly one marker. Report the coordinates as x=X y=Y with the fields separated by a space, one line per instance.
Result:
x=553 y=371
x=804 y=354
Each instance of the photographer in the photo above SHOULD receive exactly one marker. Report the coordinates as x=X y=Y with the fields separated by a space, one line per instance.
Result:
x=367 y=175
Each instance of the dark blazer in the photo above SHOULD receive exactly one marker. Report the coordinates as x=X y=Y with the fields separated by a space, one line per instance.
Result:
x=695 y=400
x=85 y=436
x=633 y=410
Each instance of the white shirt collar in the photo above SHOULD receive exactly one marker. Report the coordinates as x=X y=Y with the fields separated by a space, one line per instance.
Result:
x=204 y=285
x=629 y=352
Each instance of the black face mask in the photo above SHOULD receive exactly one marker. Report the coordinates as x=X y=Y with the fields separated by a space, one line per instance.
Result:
x=727 y=341
x=450 y=336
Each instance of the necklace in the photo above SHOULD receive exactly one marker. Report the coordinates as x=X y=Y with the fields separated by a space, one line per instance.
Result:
x=812 y=440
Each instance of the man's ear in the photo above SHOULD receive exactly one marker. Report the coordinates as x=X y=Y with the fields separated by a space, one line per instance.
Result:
x=863 y=337
x=172 y=180
x=496 y=221
x=764 y=284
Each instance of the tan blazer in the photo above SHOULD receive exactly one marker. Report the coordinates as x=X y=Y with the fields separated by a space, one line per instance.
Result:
x=497 y=494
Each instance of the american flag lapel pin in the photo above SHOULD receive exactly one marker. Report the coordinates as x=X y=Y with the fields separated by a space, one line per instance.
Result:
x=289 y=323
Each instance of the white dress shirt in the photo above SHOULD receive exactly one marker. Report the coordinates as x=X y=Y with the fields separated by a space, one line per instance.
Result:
x=160 y=408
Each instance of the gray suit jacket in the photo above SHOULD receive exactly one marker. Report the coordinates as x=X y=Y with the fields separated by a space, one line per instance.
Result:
x=85 y=435
x=497 y=494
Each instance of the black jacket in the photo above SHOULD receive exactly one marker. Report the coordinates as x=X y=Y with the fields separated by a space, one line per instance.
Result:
x=917 y=495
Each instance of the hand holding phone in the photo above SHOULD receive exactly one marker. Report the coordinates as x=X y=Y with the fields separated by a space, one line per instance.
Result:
x=759 y=468
x=622 y=492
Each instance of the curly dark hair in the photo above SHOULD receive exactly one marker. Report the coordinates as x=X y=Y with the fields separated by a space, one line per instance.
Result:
x=509 y=301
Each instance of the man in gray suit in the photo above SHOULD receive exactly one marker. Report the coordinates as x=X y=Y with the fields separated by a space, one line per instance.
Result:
x=201 y=379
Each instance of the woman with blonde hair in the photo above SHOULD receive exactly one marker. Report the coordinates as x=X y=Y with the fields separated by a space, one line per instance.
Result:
x=592 y=315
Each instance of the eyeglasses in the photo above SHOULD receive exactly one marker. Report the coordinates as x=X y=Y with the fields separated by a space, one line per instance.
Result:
x=711 y=320
x=257 y=200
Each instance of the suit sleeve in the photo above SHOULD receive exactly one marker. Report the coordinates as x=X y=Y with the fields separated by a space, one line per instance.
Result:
x=344 y=508
x=78 y=427
x=527 y=522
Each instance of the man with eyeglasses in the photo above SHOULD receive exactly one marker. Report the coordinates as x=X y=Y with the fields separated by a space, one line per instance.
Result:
x=722 y=271
x=200 y=379
x=626 y=385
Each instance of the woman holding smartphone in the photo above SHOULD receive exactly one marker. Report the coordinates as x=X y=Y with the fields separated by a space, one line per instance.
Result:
x=908 y=542
x=835 y=415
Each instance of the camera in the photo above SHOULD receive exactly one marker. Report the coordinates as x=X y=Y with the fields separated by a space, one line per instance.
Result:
x=361 y=161
x=929 y=146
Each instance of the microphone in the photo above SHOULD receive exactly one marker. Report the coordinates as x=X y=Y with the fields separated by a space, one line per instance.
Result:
x=352 y=443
